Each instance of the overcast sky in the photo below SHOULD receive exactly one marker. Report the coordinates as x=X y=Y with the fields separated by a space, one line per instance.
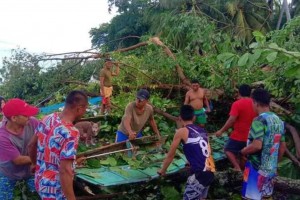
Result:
x=51 y=26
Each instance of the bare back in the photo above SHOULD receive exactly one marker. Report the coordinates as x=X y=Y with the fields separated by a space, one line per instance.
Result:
x=195 y=98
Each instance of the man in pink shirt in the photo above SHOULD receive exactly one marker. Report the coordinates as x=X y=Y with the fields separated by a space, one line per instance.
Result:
x=240 y=118
x=15 y=134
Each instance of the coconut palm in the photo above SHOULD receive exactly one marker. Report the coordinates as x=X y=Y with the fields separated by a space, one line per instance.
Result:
x=241 y=17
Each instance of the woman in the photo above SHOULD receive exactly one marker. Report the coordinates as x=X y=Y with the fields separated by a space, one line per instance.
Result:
x=2 y=103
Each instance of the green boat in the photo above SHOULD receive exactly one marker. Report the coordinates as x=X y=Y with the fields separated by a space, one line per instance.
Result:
x=148 y=146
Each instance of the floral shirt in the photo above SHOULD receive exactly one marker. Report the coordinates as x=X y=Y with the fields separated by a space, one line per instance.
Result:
x=57 y=140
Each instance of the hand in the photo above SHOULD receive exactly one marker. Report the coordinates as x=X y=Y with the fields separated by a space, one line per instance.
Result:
x=218 y=133
x=132 y=136
x=208 y=110
x=32 y=168
x=96 y=56
x=80 y=160
x=161 y=172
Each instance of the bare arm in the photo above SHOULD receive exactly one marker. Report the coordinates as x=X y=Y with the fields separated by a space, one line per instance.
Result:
x=206 y=103
x=292 y=157
x=22 y=160
x=168 y=160
x=117 y=70
x=102 y=85
x=187 y=99
x=66 y=178
x=154 y=126
x=296 y=138
x=127 y=126
x=281 y=150
x=32 y=148
x=229 y=123
x=254 y=147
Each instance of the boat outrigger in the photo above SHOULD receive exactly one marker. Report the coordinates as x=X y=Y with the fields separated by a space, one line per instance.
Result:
x=138 y=149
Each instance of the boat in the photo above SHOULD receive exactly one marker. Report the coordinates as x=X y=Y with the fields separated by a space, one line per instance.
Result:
x=150 y=146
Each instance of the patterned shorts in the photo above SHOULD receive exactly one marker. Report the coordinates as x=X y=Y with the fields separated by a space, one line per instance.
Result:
x=194 y=190
x=7 y=187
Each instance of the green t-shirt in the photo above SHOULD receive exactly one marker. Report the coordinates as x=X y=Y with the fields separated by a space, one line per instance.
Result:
x=107 y=77
x=268 y=128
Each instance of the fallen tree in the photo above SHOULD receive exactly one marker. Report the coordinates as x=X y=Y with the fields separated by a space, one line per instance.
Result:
x=282 y=184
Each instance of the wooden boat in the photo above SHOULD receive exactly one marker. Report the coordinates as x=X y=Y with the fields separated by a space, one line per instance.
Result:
x=150 y=146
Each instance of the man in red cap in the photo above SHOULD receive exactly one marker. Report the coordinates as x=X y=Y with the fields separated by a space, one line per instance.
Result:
x=15 y=134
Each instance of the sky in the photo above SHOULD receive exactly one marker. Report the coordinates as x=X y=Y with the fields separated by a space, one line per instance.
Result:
x=50 y=26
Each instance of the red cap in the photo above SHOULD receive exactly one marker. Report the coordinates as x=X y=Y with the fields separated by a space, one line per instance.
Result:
x=15 y=107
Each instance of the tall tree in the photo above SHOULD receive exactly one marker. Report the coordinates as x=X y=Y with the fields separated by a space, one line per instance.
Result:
x=284 y=9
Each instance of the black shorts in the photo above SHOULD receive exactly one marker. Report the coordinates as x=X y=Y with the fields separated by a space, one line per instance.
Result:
x=234 y=146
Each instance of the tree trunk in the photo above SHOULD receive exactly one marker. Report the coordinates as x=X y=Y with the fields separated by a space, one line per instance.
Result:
x=280 y=16
x=179 y=70
x=282 y=184
x=296 y=138
x=284 y=8
x=287 y=11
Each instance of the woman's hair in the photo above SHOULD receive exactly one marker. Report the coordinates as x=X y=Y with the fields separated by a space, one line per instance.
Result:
x=1 y=98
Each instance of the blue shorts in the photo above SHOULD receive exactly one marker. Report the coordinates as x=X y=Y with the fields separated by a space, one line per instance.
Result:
x=7 y=186
x=234 y=146
x=120 y=136
x=255 y=185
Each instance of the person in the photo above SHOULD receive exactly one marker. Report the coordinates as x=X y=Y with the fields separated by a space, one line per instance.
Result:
x=195 y=97
x=198 y=153
x=136 y=115
x=2 y=103
x=57 y=141
x=266 y=145
x=15 y=134
x=106 y=83
x=240 y=118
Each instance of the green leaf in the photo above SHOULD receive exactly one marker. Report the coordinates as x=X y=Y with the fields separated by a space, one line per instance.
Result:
x=109 y=161
x=243 y=60
x=253 y=45
x=257 y=54
x=292 y=72
x=225 y=56
x=259 y=36
x=272 y=56
x=170 y=192
x=273 y=46
x=228 y=63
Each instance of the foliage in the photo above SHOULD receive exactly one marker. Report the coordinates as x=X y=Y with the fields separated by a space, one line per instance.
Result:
x=25 y=78
x=283 y=65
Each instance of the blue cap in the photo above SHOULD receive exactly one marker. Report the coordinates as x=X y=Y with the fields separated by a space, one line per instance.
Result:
x=143 y=94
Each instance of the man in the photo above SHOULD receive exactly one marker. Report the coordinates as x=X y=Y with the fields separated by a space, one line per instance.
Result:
x=195 y=97
x=265 y=147
x=240 y=118
x=106 y=88
x=57 y=142
x=15 y=134
x=136 y=115
x=197 y=151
